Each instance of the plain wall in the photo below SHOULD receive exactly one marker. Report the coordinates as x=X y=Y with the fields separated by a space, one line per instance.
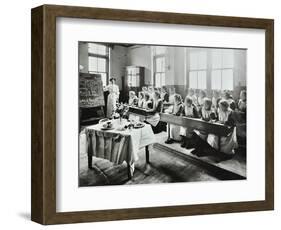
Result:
x=141 y=56
x=118 y=63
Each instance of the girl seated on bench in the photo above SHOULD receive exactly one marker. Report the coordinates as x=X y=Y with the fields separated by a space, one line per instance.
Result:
x=147 y=103
x=133 y=99
x=191 y=93
x=189 y=110
x=202 y=96
x=229 y=143
x=216 y=99
x=207 y=114
x=175 y=129
x=154 y=119
x=228 y=97
x=242 y=103
x=141 y=99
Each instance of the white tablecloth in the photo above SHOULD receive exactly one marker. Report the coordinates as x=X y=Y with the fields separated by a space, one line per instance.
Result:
x=115 y=145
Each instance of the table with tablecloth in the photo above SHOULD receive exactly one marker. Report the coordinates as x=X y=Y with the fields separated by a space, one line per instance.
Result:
x=118 y=144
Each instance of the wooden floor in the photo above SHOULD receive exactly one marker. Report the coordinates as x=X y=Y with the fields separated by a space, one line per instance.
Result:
x=168 y=164
x=237 y=164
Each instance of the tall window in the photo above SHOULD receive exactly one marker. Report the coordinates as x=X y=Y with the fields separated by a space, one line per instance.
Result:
x=222 y=69
x=198 y=69
x=159 y=66
x=99 y=60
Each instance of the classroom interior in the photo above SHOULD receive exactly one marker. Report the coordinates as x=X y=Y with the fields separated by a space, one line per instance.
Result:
x=135 y=66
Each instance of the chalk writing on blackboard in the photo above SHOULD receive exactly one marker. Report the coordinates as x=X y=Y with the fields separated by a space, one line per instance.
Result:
x=90 y=90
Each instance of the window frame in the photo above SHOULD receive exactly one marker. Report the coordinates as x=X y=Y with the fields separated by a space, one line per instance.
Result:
x=155 y=57
x=221 y=69
x=197 y=70
x=107 y=61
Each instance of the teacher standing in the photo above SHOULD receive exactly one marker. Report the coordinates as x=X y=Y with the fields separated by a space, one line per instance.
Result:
x=113 y=97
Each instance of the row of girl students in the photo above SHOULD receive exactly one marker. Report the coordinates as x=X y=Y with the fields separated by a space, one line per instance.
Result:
x=240 y=105
x=215 y=110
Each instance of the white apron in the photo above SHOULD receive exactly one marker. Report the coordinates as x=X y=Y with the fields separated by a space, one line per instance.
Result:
x=154 y=119
x=175 y=129
x=206 y=115
x=112 y=99
x=228 y=143
x=184 y=131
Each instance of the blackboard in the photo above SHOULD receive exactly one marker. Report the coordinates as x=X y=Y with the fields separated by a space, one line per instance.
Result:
x=90 y=90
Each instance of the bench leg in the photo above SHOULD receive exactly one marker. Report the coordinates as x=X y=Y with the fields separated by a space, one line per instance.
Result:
x=90 y=160
x=168 y=130
x=129 y=171
x=147 y=154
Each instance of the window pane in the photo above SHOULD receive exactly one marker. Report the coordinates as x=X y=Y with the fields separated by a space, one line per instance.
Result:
x=93 y=64
x=193 y=61
x=202 y=81
x=158 y=65
x=97 y=49
x=163 y=80
x=163 y=65
x=101 y=65
x=216 y=79
x=227 y=79
x=92 y=48
x=193 y=79
x=202 y=60
x=227 y=58
x=158 y=80
x=102 y=50
x=216 y=59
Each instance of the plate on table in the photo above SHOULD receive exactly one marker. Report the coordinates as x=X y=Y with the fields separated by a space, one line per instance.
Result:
x=139 y=125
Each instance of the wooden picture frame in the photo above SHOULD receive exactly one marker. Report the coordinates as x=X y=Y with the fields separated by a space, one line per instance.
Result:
x=43 y=208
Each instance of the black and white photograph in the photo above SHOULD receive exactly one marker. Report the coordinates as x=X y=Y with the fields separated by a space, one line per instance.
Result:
x=151 y=114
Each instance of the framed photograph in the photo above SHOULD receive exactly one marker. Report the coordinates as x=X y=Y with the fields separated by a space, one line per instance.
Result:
x=139 y=114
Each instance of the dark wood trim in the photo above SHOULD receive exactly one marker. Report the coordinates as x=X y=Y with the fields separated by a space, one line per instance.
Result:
x=37 y=188
x=44 y=113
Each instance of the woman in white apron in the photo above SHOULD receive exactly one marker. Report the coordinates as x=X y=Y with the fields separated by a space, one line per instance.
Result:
x=154 y=120
x=242 y=103
x=216 y=99
x=141 y=99
x=207 y=114
x=133 y=99
x=191 y=93
x=189 y=110
x=228 y=97
x=112 y=98
x=228 y=143
x=202 y=96
x=147 y=103
x=174 y=130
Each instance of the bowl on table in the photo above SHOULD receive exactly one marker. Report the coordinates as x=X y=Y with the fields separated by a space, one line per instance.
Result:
x=107 y=125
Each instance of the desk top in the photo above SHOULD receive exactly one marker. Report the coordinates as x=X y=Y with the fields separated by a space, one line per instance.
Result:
x=196 y=123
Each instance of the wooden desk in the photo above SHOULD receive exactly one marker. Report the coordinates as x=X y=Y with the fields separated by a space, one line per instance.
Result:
x=198 y=124
x=139 y=111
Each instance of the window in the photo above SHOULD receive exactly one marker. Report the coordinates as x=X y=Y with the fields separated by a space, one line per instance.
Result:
x=99 y=60
x=159 y=66
x=197 y=69
x=133 y=76
x=222 y=69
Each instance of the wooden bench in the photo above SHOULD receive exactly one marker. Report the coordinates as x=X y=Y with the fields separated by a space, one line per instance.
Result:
x=217 y=129
x=196 y=123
